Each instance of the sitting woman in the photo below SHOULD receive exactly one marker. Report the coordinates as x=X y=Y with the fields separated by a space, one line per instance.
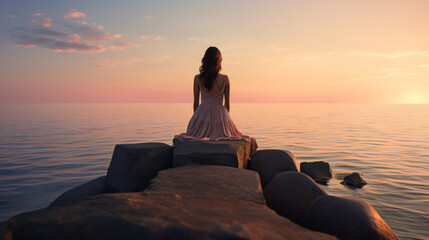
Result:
x=211 y=120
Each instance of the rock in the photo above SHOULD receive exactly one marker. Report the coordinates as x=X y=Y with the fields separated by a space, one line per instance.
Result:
x=208 y=152
x=91 y=188
x=270 y=162
x=354 y=179
x=290 y=194
x=319 y=171
x=133 y=165
x=193 y=202
x=209 y=182
x=346 y=218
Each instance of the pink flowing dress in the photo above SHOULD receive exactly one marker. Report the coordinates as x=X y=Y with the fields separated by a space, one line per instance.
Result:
x=211 y=120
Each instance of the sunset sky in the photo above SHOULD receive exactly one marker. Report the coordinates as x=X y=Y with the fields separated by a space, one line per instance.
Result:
x=273 y=51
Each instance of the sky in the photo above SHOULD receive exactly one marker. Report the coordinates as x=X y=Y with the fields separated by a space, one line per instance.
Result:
x=287 y=51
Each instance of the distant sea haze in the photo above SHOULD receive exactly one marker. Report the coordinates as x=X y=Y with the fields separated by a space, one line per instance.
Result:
x=46 y=149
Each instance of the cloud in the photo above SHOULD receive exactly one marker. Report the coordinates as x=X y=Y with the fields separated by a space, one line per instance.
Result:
x=148 y=16
x=123 y=45
x=105 y=63
x=37 y=14
x=158 y=38
x=424 y=65
x=46 y=22
x=149 y=37
x=163 y=58
x=390 y=55
x=93 y=33
x=12 y=16
x=74 y=36
x=26 y=45
x=73 y=14
x=54 y=40
x=197 y=39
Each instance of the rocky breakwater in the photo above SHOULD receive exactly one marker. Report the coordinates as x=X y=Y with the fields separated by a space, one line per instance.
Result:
x=152 y=191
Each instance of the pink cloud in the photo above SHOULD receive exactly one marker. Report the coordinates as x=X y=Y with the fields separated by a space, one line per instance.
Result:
x=37 y=14
x=73 y=14
x=26 y=45
x=123 y=45
x=163 y=58
x=148 y=16
x=93 y=33
x=107 y=63
x=12 y=16
x=197 y=39
x=147 y=37
x=158 y=38
x=46 y=22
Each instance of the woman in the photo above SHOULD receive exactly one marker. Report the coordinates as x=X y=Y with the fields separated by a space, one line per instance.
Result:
x=211 y=119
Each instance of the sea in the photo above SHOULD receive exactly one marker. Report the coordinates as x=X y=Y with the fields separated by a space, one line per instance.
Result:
x=47 y=149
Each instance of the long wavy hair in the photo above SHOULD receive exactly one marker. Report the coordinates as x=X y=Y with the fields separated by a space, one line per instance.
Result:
x=210 y=66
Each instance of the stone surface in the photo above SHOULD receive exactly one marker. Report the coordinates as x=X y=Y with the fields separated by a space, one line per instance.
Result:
x=270 y=162
x=354 y=179
x=193 y=202
x=319 y=171
x=91 y=188
x=207 y=152
x=346 y=218
x=290 y=194
x=133 y=165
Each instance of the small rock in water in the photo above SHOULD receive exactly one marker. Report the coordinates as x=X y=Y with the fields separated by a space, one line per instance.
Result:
x=319 y=171
x=354 y=179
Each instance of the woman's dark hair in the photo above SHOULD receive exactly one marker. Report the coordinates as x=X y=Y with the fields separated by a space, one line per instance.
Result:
x=210 y=66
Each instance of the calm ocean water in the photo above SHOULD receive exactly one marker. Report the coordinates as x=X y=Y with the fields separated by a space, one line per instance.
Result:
x=46 y=149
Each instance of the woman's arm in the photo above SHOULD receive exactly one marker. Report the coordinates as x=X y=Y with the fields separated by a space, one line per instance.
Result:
x=227 y=89
x=196 y=93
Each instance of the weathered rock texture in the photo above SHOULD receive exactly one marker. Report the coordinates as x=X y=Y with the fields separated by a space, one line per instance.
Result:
x=346 y=218
x=354 y=179
x=290 y=194
x=91 y=188
x=195 y=202
x=225 y=153
x=270 y=162
x=133 y=165
x=319 y=171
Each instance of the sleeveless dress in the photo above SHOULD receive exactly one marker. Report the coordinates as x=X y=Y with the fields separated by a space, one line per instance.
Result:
x=211 y=121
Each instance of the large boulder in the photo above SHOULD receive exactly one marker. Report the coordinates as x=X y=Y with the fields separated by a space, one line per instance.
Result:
x=133 y=165
x=354 y=180
x=194 y=202
x=270 y=162
x=290 y=194
x=319 y=171
x=209 y=152
x=346 y=218
x=91 y=188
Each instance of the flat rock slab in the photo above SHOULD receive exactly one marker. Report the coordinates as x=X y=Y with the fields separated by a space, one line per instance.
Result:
x=182 y=210
x=133 y=165
x=91 y=188
x=209 y=182
x=209 y=152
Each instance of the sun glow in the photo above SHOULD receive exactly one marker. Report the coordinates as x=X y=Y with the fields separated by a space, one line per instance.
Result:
x=413 y=98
